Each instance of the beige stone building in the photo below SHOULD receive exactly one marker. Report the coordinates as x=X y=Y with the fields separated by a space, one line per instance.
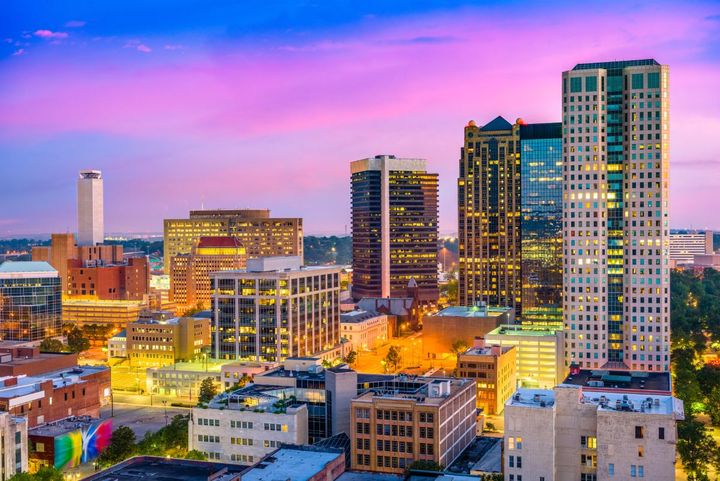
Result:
x=163 y=343
x=364 y=330
x=492 y=367
x=616 y=227
x=411 y=419
x=572 y=433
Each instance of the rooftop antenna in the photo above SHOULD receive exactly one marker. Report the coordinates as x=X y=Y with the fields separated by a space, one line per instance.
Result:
x=202 y=202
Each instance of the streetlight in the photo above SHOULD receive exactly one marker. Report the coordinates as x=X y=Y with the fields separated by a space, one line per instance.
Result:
x=165 y=408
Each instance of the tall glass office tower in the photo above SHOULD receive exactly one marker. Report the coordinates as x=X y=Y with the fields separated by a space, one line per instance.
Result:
x=541 y=223
x=615 y=215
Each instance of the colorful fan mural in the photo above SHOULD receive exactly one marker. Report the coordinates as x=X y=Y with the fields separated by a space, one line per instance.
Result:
x=83 y=445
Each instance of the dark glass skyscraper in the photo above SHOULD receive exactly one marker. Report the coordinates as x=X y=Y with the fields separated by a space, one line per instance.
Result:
x=30 y=301
x=541 y=222
x=394 y=228
x=509 y=213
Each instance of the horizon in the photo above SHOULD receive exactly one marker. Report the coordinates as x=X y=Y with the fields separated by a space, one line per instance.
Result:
x=181 y=108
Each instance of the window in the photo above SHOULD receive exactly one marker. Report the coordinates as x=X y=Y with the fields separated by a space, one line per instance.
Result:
x=518 y=443
x=633 y=471
x=576 y=84
x=591 y=84
x=639 y=432
x=611 y=469
x=637 y=81
x=519 y=461
x=661 y=433
x=654 y=80
x=511 y=443
x=641 y=451
x=511 y=461
x=641 y=471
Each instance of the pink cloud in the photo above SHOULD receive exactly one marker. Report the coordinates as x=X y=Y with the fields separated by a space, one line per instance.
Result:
x=18 y=52
x=48 y=34
x=75 y=23
x=143 y=48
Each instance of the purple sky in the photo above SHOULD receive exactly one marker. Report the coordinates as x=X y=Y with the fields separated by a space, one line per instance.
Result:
x=258 y=106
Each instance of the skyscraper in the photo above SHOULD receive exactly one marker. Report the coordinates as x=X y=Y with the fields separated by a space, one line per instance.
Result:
x=394 y=227
x=91 y=228
x=615 y=215
x=509 y=207
x=541 y=223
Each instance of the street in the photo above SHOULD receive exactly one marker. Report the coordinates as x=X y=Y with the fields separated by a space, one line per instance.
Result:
x=411 y=357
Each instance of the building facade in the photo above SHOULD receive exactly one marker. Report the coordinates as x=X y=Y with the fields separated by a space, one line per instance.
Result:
x=364 y=330
x=116 y=313
x=394 y=228
x=128 y=280
x=190 y=273
x=509 y=218
x=163 y=343
x=616 y=215
x=429 y=419
x=538 y=353
x=685 y=246
x=493 y=368
x=91 y=227
x=241 y=428
x=275 y=309
x=569 y=433
x=30 y=301
x=541 y=223
x=260 y=234
x=14 y=450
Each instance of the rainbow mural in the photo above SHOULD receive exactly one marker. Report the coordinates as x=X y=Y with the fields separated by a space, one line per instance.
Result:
x=83 y=445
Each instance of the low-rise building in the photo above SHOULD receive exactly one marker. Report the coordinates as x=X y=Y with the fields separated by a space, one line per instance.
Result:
x=409 y=419
x=571 y=432
x=52 y=396
x=299 y=463
x=243 y=426
x=182 y=380
x=539 y=353
x=14 y=446
x=116 y=313
x=161 y=468
x=117 y=345
x=163 y=343
x=54 y=444
x=96 y=279
x=492 y=367
x=364 y=330
x=684 y=246
x=233 y=373
x=460 y=324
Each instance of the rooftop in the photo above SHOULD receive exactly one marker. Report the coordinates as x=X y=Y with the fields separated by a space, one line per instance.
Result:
x=58 y=428
x=292 y=463
x=13 y=268
x=367 y=476
x=422 y=390
x=538 y=398
x=621 y=380
x=358 y=315
x=486 y=351
x=165 y=469
x=616 y=64
x=473 y=311
x=496 y=124
x=523 y=330
x=484 y=455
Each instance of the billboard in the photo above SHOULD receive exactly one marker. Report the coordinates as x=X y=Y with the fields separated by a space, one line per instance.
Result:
x=83 y=445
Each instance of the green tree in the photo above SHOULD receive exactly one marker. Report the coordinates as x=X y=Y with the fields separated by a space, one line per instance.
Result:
x=452 y=291
x=52 y=345
x=208 y=390
x=351 y=357
x=121 y=447
x=77 y=342
x=458 y=347
x=196 y=455
x=393 y=358
x=425 y=465
x=697 y=449
x=46 y=473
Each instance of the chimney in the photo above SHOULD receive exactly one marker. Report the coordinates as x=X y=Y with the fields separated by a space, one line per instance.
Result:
x=497 y=350
x=479 y=343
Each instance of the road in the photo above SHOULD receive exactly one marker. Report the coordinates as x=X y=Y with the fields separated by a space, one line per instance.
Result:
x=411 y=357
x=141 y=419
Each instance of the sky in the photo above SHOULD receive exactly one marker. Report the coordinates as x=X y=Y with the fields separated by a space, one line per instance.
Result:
x=228 y=104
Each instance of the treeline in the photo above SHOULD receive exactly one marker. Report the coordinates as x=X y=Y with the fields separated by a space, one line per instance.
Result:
x=695 y=322
x=327 y=250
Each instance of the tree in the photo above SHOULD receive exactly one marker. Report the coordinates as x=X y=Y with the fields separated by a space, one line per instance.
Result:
x=425 y=465
x=46 y=473
x=452 y=291
x=208 y=390
x=696 y=448
x=351 y=357
x=77 y=342
x=52 y=345
x=121 y=447
x=196 y=455
x=393 y=358
x=458 y=347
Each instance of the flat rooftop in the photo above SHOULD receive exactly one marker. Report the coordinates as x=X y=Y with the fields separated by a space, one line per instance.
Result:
x=484 y=454
x=358 y=315
x=415 y=388
x=167 y=469
x=472 y=311
x=485 y=351
x=537 y=398
x=523 y=330
x=296 y=464
x=621 y=380
x=58 y=428
x=26 y=266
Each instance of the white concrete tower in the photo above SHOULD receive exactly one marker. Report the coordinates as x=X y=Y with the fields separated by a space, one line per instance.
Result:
x=616 y=279
x=91 y=228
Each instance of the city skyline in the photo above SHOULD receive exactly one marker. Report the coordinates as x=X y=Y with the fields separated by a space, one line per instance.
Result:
x=183 y=112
